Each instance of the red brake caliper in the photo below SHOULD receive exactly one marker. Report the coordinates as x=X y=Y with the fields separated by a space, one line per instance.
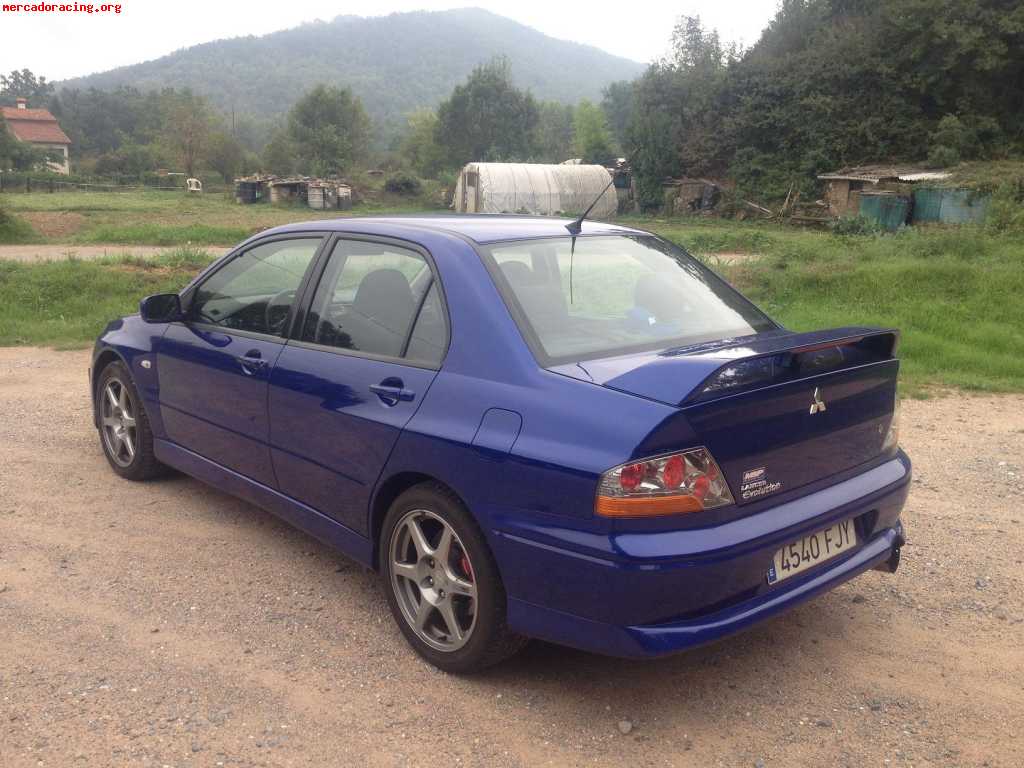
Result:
x=466 y=567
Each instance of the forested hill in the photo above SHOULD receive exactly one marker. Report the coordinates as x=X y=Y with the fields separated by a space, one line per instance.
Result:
x=830 y=83
x=393 y=63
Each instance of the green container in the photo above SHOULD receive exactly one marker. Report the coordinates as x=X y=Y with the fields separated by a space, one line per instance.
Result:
x=927 y=205
x=890 y=211
x=950 y=206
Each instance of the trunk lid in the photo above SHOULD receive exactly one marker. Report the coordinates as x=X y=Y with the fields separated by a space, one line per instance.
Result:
x=776 y=411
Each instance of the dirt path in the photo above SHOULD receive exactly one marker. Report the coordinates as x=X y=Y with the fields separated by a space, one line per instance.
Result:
x=32 y=253
x=166 y=624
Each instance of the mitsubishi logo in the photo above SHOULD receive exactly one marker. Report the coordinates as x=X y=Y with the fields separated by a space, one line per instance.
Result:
x=818 y=406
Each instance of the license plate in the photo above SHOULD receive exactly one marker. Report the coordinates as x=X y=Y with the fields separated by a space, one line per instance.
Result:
x=812 y=550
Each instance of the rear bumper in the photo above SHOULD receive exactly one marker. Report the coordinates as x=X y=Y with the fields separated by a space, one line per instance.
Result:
x=642 y=595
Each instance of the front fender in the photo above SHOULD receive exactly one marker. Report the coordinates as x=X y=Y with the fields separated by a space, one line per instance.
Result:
x=132 y=342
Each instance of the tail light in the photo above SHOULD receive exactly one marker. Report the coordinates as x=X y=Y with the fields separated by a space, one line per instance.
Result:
x=892 y=436
x=673 y=484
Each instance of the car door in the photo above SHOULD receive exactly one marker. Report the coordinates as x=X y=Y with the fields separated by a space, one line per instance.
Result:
x=370 y=345
x=214 y=367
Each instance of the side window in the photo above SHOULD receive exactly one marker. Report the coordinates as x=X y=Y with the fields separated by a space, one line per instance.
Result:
x=368 y=298
x=430 y=334
x=255 y=291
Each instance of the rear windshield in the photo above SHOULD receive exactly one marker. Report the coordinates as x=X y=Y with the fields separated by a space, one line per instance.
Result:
x=613 y=295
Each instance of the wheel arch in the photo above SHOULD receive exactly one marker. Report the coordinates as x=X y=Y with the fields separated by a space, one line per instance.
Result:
x=389 y=490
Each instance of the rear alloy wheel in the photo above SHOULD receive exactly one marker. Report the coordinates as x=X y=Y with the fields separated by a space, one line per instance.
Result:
x=442 y=582
x=125 y=435
x=432 y=578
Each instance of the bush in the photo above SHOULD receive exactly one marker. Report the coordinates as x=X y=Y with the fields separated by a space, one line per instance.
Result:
x=402 y=183
x=1006 y=211
x=14 y=230
x=942 y=156
x=855 y=225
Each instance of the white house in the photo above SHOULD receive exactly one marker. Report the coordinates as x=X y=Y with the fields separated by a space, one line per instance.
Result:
x=40 y=129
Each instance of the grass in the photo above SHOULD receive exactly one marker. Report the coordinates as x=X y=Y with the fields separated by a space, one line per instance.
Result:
x=15 y=230
x=957 y=294
x=162 y=234
x=67 y=303
x=163 y=218
x=713 y=236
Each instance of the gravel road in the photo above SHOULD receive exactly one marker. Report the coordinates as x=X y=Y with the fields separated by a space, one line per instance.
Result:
x=34 y=253
x=166 y=624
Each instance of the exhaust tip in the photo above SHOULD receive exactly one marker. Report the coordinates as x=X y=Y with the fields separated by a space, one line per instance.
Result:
x=890 y=565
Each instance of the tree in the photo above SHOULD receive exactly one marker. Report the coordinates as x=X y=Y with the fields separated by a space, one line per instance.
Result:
x=696 y=49
x=591 y=139
x=653 y=134
x=554 y=133
x=838 y=82
x=17 y=155
x=677 y=111
x=653 y=137
x=188 y=129
x=24 y=84
x=279 y=154
x=419 y=147
x=224 y=155
x=329 y=129
x=617 y=103
x=129 y=160
x=487 y=117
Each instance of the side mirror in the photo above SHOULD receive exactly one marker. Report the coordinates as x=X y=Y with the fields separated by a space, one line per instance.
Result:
x=161 y=308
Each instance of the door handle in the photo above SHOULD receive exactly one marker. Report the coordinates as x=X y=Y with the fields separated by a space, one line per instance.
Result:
x=392 y=392
x=252 y=362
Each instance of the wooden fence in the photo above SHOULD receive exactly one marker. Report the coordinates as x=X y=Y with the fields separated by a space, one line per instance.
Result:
x=25 y=183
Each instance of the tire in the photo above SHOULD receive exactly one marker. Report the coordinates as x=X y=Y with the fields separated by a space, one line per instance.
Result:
x=441 y=584
x=125 y=434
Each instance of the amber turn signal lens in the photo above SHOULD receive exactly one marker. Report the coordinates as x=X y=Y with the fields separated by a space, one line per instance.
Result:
x=650 y=506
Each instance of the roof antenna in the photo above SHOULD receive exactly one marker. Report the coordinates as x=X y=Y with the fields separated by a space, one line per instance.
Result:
x=576 y=226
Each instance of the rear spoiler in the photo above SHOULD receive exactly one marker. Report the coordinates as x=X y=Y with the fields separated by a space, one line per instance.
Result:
x=779 y=359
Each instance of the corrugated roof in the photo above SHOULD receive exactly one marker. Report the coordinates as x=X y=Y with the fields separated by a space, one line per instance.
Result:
x=875 y=173
x=36 y=126
x=925 y=176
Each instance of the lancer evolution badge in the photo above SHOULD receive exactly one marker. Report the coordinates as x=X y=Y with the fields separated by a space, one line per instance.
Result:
x=818 y=406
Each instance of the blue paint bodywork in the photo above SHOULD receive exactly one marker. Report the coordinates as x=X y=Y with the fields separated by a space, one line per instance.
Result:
x=523 y=446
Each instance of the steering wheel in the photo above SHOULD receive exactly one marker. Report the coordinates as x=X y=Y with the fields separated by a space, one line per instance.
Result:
x=276 y=313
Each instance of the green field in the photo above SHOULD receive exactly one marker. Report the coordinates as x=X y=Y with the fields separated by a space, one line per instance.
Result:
x=956 y=294
x=162 y=218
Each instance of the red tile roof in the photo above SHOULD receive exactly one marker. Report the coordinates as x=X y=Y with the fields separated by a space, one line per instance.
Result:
x=37 y=126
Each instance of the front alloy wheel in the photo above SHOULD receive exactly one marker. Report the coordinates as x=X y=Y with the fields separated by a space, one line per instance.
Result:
x=117 y=422
x=125 y=434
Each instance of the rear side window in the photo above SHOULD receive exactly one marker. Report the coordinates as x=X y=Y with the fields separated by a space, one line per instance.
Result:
x=430 y=334
x=380 y=300
x=609 y=295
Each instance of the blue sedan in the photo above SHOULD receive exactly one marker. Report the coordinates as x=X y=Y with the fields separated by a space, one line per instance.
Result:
x=527 y=427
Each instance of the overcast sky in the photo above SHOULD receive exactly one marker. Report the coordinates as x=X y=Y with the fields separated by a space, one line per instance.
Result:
x=67 y=45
